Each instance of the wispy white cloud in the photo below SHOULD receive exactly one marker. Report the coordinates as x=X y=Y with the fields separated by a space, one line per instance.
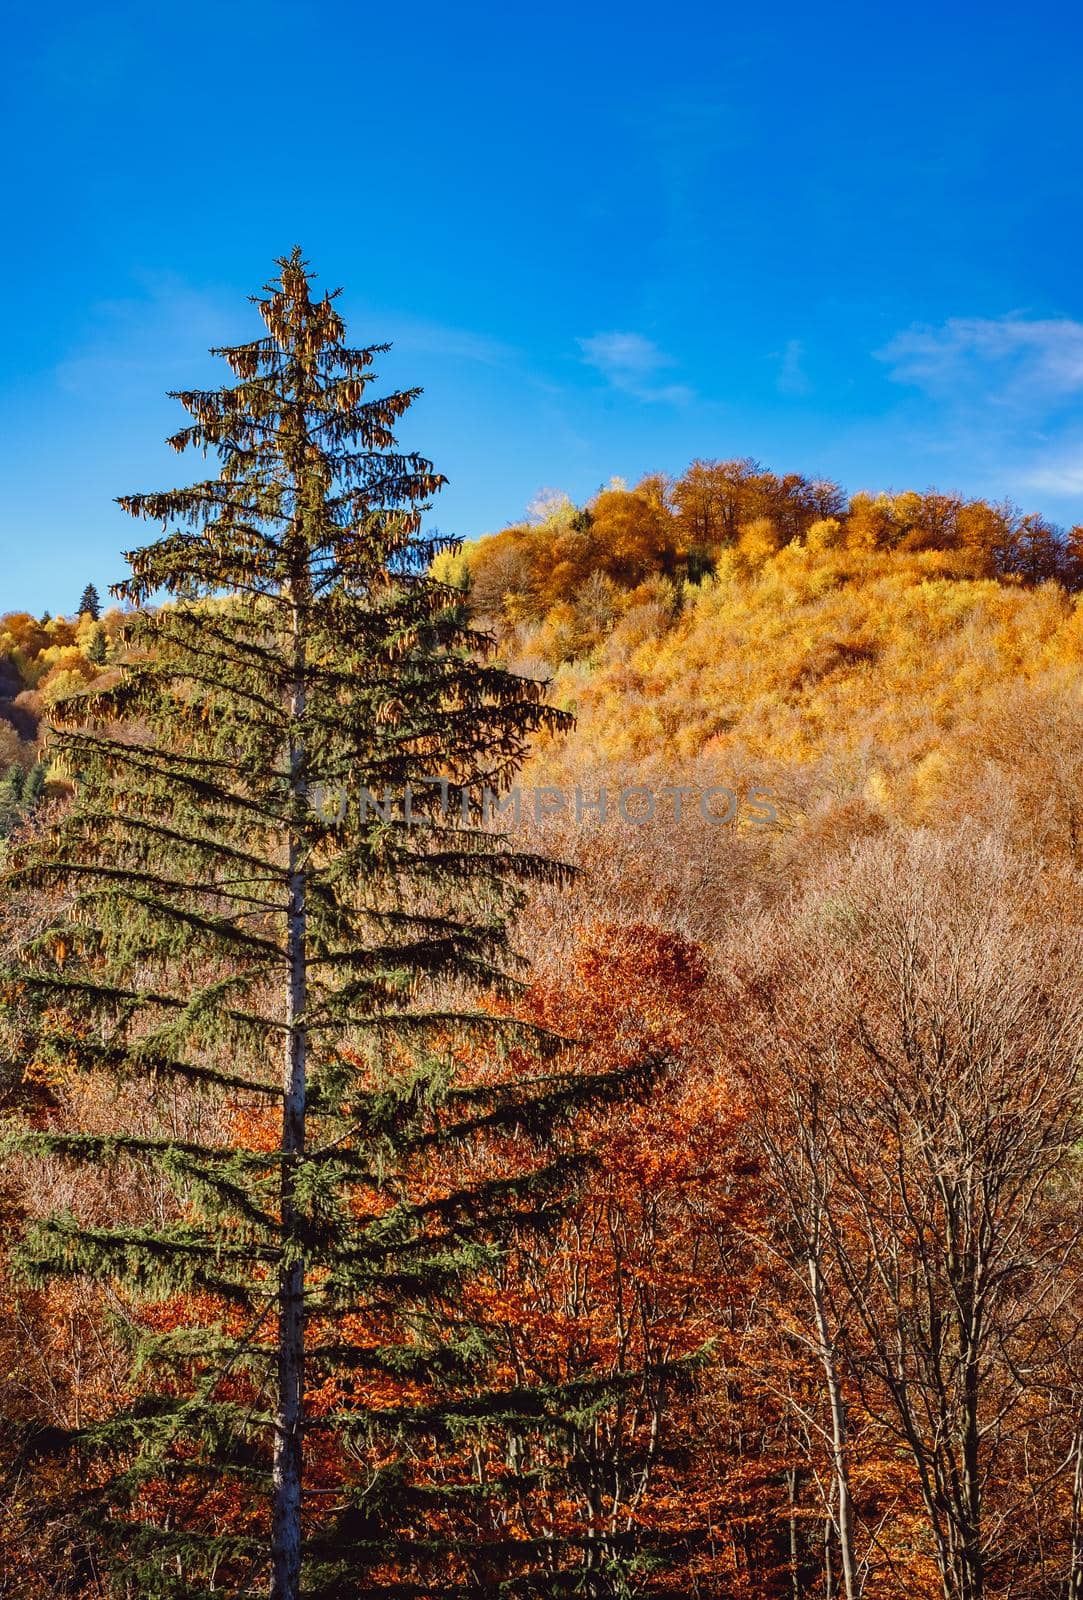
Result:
x=1001 y=396
x=145 y=344
x=632 y=363
x=1014 y=361
x=152 y=339
x=419 y=336
x=628 y=354
x=1060 y=473
x=792 y=378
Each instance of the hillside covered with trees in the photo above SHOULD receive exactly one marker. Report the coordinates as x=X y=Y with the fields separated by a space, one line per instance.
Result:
x=914 y=656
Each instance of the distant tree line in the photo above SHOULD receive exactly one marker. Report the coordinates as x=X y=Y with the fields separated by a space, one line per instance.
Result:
x=679 y=528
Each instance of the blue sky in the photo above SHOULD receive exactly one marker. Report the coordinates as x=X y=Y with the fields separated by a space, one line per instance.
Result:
x=605 y=238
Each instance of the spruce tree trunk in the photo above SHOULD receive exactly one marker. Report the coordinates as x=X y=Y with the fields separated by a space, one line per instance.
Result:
x=289 y=1418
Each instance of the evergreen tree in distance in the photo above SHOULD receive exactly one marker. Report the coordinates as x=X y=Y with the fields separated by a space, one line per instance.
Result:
x=20 y=792
x=89 y=603
x=11 y=798
x=230 y=928
x=97 y=650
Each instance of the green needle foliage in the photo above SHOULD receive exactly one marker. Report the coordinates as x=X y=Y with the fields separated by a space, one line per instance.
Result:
x=97 y=649
x=286 y=985
x=19 y=794
x=89 y=603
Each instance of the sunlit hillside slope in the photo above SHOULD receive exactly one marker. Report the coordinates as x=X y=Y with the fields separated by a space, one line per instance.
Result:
x=915 y=656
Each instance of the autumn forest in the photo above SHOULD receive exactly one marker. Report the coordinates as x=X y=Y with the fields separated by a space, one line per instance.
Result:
x=405 y=1201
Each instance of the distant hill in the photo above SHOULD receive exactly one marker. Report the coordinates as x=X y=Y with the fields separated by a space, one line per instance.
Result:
x=915 y=656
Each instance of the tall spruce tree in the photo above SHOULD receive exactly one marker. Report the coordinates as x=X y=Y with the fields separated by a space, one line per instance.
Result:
x=89 y=603
x=289 y=976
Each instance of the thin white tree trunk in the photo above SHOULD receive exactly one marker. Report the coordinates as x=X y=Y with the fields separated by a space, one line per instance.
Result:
x=840 y=1467
x=1075 y=1574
